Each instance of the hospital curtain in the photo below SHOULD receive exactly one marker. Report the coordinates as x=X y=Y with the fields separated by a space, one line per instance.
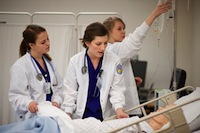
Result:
x=81 y=29
x=63 y=46
x=10 y=36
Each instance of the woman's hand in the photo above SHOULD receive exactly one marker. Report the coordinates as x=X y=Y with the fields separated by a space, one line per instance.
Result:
x=121 y=114
x=138 y=81
x=55 y=104
x=70 y=115
x=160 y=9
x=32 y=107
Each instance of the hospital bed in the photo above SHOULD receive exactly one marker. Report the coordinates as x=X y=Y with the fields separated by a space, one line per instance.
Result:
x=177 y=124
x=62 y=122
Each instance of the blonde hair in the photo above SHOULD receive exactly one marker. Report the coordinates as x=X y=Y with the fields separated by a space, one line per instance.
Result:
x=109 y=23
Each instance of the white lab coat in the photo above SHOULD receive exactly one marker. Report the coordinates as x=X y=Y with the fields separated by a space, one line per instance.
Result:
x=76 y=86
x=126 y=50
x=25 y=87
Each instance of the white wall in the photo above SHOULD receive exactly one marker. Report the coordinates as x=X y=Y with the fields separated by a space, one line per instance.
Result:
x=195 y=44
x=134 y=12
x=184 y=38
x=188 y=40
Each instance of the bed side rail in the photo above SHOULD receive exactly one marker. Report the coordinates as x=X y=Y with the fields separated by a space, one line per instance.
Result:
x=167 y=98
x=176 y=117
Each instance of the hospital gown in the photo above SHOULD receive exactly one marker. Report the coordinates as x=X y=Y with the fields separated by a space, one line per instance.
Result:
x=89 y=125
x=92 y=125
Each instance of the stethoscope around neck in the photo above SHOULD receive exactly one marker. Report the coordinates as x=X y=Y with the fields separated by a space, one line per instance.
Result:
x=84 y=68
x=99 y=81
x=39 y=75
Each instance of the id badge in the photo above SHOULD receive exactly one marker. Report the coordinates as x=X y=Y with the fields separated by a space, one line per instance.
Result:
x=97 y=88
x=99 y=83
x=47 y=88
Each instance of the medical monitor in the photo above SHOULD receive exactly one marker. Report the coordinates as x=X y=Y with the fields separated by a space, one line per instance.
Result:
x=180 y=79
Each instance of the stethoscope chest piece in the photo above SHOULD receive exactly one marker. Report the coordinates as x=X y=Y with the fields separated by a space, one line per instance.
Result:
x=84 y=69
x=39 y=76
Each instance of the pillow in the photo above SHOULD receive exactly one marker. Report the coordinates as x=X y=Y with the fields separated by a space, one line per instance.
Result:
x=192 y=114
x=195 y=124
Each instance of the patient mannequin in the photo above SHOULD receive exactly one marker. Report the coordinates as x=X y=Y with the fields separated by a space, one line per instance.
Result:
x=92 y=125
x=88 y=125
x=192 y=115
x=159 y=121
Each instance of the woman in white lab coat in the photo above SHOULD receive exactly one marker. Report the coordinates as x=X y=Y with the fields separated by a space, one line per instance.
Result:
x=34 y=77
x=94 y=84
x=127 y=47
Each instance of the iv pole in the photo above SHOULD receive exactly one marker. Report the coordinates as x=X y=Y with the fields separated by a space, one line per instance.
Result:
x=172 y=15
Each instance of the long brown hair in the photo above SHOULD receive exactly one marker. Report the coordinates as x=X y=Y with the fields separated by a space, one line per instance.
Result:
x=29 y=36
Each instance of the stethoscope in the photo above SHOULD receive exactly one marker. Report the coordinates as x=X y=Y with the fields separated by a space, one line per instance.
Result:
x=84 y=68
x=99 y=81
x=39 y=75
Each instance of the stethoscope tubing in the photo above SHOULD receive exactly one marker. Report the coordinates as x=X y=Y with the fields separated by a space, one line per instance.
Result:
x=47 y=68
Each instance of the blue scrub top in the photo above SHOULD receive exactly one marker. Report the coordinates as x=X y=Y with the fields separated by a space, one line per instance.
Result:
x=46 y=76
x=93 y=106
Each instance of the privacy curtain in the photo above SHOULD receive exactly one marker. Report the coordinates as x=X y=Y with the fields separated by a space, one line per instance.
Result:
x=63 y=46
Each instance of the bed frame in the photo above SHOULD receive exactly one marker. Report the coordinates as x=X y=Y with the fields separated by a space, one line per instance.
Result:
x=175 y=114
